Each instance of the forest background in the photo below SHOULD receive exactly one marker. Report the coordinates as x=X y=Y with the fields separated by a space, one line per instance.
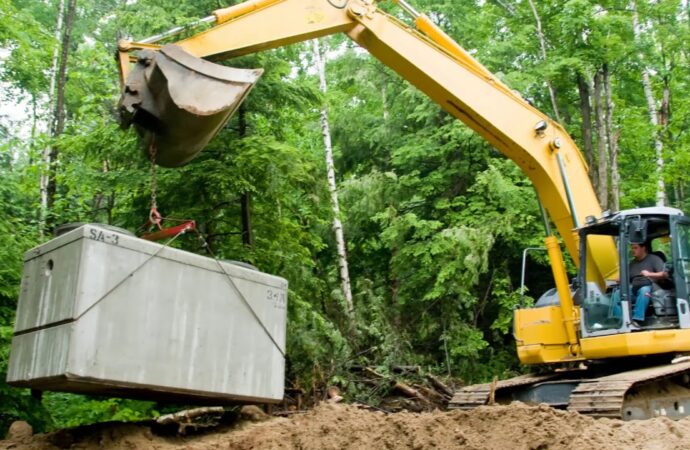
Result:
x=434 y=218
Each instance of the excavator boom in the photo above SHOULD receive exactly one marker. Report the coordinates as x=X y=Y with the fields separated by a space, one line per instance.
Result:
x=429 y=59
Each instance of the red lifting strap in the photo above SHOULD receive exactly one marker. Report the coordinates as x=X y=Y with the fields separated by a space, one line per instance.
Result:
x=163 y=233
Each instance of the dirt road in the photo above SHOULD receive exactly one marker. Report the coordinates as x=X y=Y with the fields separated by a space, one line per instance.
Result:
x=516 y=426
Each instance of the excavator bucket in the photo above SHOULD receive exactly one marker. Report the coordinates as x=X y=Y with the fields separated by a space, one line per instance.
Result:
x=179 y=102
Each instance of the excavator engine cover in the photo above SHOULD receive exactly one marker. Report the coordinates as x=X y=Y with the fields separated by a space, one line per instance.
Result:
x=180 y=102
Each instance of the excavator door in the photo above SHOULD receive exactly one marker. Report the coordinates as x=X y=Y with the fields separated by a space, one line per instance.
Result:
x=178 y=102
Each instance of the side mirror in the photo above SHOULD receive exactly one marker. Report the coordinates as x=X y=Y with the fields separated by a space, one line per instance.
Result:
x=577 y=292
x=637 y=231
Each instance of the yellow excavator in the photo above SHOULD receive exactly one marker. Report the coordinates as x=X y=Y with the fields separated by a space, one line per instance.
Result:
x=589 y=355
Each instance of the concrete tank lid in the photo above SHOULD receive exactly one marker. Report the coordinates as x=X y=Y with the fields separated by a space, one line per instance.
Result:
x=109 y=236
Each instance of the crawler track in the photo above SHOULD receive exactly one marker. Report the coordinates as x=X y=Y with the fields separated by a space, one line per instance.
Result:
x=636 y=394
x=478 y=394
x=633 y=394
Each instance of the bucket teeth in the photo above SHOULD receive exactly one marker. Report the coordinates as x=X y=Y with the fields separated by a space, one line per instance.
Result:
x=181 y=101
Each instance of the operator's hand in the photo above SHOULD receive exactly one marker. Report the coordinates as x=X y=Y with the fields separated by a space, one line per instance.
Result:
x=654 y=276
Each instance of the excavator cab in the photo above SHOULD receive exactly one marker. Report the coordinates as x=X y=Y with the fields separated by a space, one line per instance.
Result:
x=665 y=233
x=600 y=325
x=608 y=366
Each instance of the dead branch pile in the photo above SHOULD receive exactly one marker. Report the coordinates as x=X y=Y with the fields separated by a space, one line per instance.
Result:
x=403 y=388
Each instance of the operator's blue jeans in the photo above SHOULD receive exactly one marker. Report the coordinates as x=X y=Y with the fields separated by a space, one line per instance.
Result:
x=641 y=303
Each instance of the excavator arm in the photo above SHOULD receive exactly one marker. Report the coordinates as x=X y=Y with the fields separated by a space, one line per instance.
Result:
x=426 y=57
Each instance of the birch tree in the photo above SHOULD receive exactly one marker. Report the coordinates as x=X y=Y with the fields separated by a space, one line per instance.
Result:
x=542 y=48
x=48 y=182
x=612 y=140
x=330 y=168
x=46 y=156
x=653 y=114
x=602 y=184
x=584 y=89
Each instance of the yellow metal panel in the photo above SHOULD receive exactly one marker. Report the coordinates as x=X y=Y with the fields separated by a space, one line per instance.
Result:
x=540 y=326
x=637 y=343
x=560 y=276
x=545 y=354
x=274 y=25
x=541 y=336
x=231 y=12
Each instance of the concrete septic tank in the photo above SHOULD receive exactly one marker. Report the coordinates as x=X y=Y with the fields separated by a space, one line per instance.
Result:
x=102 y=312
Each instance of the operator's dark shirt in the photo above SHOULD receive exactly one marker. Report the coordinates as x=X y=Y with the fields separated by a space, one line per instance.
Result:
x=650 y=262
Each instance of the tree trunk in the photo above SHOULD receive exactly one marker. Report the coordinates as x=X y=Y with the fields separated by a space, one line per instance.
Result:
x=51 y=188
x=246 y=197
x=542 y=45
x=34 y=136
x=658 y=143
x=685 y=4
x=681 y=194
x=586 y=110
x=665 y=110
x=246 y=205
x=384 y=103
x=103 y=203
x=663 y=135
x=653 y=118
x=330 y=168
x=612 y=139
x=602 y=155
x=45 y=172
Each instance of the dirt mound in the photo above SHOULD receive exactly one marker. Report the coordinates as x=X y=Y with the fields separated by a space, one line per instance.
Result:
x=517 y=426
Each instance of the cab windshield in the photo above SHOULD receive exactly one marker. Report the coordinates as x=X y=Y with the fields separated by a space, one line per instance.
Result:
x=612 y=306
x=601 y=305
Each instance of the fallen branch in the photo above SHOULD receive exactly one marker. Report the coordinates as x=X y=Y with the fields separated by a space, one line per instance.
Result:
x=288 y=413
x=188 y=414
x=374 y=373
x=195 y=418
x=436 y=397
x=409 y=391
x=440 y=386
x=407 y=369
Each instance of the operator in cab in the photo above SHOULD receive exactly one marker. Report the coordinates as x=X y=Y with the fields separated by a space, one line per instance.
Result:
x=644 y=270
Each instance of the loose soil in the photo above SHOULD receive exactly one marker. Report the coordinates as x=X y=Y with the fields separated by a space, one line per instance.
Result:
x=338 y=426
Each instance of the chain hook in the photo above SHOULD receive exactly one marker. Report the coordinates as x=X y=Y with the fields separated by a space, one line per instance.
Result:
x=155 y=217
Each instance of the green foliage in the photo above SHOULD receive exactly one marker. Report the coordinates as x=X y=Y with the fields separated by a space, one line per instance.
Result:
x=20 y=405
x=316 y=351
x=16 y=236
x=29 y=41
x=69 y=410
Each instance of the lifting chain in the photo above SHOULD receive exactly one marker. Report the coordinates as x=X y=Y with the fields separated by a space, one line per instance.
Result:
x=154 y=215
x=155 y=219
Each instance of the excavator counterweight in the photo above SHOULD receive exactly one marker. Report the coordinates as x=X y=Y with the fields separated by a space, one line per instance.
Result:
x=179 y=102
